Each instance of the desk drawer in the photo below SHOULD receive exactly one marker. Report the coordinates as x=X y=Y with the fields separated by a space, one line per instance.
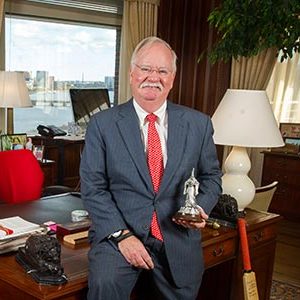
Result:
x=261 y=235
x=219 y=252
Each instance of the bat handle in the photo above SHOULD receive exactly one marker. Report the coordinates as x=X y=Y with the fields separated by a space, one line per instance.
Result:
x=244 y=244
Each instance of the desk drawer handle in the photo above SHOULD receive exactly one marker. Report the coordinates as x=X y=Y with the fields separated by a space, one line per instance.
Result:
x=218 y=252
x=259 y=236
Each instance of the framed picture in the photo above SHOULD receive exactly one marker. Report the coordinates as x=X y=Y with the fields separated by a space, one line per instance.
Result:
x=290 y=130
x=13 y=141
x=38 y=152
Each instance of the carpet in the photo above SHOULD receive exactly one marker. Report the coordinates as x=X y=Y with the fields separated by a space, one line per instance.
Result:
x=284 y=291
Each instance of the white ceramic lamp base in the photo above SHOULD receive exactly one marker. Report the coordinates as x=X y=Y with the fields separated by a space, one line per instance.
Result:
x=235 y=181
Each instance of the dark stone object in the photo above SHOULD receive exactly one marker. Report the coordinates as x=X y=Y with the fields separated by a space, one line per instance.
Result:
x=226 y=209
x=40 y=257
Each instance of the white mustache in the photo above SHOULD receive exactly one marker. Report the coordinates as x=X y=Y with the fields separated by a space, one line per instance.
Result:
x=155 y=85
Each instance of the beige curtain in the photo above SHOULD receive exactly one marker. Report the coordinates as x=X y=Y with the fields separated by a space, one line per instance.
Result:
x=284 y=90
x=252 y=73
x=1 y=13
x=2 y=110
x=139 y=21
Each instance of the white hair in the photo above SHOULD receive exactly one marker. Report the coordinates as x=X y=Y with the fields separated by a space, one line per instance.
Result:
x=149 y=41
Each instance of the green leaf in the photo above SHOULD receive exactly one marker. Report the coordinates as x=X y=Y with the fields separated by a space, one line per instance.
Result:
x=247 y=27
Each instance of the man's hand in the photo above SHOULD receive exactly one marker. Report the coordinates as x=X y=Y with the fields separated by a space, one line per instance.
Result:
x=135 y=253
x=191 y=224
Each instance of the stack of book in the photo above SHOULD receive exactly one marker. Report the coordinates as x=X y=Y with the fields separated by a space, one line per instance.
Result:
x=74 y=232
x=14 y=232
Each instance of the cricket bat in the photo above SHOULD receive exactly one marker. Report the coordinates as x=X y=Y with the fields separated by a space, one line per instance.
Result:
x=249 y=280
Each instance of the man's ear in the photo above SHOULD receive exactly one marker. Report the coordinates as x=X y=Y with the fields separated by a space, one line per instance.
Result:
x=130 y=75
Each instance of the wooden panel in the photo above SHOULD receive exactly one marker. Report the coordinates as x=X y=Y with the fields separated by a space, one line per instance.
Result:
x=286 y=170
x=66 y=153
x=262 y=235
x=262 y=264
x=183 y=23
x=219 y=252
x=49 y=169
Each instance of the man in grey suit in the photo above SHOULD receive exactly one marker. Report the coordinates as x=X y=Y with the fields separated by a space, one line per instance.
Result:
x=120 y=194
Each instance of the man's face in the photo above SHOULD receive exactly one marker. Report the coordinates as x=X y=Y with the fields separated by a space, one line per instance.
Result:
x=152 y=75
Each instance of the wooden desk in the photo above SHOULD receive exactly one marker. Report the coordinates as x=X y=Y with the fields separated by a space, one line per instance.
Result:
x=284 y=168
x=48 y=166
x=66 y=152
x=221 y=254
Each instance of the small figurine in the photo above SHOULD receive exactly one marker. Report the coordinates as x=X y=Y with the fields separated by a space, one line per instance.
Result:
x=190 y=211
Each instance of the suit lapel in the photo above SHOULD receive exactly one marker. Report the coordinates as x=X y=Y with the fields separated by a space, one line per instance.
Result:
x=128 y=125
x=176 y=143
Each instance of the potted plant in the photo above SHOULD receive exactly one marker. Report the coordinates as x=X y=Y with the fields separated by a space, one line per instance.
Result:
x=246 y=27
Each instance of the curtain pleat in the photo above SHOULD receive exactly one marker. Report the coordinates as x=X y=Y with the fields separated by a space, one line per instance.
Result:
x=139 y=21
x=253 y=73
x=283 y=87
x=1 y=14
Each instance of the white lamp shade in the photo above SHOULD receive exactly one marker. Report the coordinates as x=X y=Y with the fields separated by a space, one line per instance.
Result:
x=13 y=90
x=245 y=118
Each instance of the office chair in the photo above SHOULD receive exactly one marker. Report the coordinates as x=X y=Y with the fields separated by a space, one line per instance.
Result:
x=21 y=177
x=263 y=197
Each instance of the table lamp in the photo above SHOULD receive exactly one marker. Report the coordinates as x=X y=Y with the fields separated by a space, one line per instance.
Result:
x=13 y=93
x=244 y=118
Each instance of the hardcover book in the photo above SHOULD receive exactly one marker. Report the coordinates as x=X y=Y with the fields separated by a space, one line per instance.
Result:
x=72 y=227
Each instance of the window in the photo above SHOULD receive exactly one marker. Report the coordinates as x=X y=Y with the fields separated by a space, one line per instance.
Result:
x=284 y=90
x=56 y=55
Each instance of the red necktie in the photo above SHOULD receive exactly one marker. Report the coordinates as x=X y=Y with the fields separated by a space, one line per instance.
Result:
x=156 y=167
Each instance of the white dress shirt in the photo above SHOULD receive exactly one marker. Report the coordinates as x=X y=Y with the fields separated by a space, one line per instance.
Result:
x=161 y=125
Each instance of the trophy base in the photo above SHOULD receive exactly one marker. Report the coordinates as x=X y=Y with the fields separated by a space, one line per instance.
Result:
x=187 y=217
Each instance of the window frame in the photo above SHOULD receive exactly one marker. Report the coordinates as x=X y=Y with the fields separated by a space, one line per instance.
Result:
x=62 y=14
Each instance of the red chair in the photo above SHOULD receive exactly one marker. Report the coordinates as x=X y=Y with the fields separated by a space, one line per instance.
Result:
x=21 y=177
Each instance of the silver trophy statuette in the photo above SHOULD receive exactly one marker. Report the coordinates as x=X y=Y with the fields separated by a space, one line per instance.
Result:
x=190 y=211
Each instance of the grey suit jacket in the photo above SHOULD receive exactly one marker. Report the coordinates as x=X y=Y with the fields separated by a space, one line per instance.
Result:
x=117 y=190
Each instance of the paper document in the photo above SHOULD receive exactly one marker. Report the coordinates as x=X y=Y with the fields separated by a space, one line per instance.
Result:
x=16 y=226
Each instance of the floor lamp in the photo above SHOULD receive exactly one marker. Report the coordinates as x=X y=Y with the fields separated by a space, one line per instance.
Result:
x=244 y=118
x=13 y=93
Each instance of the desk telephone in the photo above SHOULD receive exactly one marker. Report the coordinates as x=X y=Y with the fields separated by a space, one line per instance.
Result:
x=50 y=130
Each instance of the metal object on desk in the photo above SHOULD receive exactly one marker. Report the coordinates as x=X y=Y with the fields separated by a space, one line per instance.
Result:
x=79 y=215
x=214 y=224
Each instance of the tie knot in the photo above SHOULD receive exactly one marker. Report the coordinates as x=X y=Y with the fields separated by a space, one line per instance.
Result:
x=151 y=118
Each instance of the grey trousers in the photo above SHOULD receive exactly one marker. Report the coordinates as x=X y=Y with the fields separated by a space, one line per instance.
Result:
x=112 y=278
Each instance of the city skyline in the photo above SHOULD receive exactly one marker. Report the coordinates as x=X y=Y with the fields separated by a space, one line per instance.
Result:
x=42 y=79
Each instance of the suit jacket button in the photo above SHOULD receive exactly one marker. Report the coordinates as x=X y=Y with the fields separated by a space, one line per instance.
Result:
x=146 y=227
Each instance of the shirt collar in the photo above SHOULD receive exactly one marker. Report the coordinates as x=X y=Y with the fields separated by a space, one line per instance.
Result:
x=142 y=114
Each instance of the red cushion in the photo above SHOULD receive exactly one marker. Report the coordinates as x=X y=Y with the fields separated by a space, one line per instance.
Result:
x=21 y=177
